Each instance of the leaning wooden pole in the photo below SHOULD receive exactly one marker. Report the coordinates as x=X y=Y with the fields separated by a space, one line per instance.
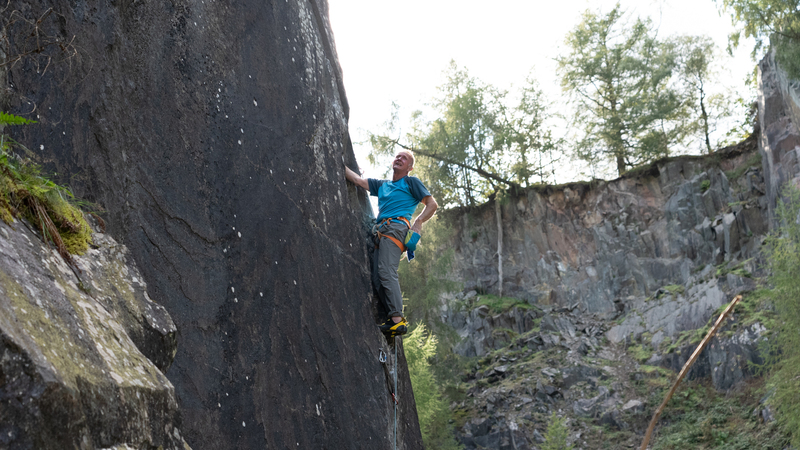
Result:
x=686 y=367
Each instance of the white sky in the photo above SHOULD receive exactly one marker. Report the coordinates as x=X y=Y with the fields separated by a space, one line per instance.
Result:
x=397 y=51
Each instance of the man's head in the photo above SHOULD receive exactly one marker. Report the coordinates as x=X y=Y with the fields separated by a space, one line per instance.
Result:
x=403 y=164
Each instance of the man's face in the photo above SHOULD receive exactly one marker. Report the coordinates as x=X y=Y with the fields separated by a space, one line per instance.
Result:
x=402 y=162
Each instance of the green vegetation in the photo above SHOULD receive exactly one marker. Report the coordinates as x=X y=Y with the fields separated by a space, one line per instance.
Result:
x=499 y=305
x=25 y=192
x=657 y=371
x=752 y=161
x=775 y=22
x=637 y=96
x=705 y=185
x=783 y=250
x=618 y=75
x=737 y=269
x=640 y=352
x=479 y=144
x=556 y=435
x=433 y=411
x=697 y=58
x=698 y=417
x=672 y=289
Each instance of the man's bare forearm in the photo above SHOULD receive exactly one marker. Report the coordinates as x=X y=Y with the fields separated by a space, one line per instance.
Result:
x=355 y=178
x=427 y=212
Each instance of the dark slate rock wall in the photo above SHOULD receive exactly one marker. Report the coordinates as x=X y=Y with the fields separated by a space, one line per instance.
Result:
x=779 y=118
x=214 y=133
x=604 y=246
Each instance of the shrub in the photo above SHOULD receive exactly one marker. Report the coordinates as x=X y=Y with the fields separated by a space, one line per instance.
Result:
x=556 y=435
x=783 y=253
x=432 y=409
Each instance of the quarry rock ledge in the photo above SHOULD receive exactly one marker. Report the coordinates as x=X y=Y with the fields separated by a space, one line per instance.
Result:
x=80 y=357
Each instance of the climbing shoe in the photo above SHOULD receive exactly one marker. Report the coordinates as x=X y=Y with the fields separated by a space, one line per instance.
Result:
x=389 y=328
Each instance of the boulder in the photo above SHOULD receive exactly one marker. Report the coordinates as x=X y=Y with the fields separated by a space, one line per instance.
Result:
x=82 y=349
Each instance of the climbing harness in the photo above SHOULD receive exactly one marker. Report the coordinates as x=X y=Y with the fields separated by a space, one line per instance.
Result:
x=383 y=358
x=376 y=230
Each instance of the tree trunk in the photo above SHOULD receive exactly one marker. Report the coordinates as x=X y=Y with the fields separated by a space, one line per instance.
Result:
x=620 y=165
x=704 y=116
x=499 y=215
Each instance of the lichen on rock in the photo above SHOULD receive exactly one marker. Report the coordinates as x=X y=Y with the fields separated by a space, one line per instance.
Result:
x=75 y=353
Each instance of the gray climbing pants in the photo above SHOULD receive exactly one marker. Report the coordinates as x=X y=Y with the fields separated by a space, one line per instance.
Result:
x=387 y=259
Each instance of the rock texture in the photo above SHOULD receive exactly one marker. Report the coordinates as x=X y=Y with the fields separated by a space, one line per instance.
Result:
x=610 y=248
x=214 y=134
x=779 y=116
x=81 y=358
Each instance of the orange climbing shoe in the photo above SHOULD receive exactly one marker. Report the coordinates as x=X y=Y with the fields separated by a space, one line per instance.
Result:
x=389 y=328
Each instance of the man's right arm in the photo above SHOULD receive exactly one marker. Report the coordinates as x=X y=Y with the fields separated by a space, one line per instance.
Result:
x=355 y=178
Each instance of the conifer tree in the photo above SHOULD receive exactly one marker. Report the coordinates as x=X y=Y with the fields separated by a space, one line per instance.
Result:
x=619 y=76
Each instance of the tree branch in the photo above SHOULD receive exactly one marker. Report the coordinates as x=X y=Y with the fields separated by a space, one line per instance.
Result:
x=481 y=172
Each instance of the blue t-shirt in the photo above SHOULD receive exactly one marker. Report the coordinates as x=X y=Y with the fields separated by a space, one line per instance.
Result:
x=397 y=198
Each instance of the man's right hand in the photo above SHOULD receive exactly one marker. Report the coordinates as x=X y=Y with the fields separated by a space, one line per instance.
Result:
x=355 y=178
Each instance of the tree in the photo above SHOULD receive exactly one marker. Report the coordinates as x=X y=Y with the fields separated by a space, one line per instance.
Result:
x=477 y=145
x=768 y=20
x=620 y=79
x=697 y=60
x=530 y=141
x=782 y=249
x=555 y=437
x=433 y=411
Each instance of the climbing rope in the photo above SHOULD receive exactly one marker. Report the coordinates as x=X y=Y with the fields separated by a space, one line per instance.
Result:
x=393 y=396
x=383 y=358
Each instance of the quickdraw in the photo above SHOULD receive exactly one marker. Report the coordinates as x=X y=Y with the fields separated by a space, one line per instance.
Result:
x=383 y=359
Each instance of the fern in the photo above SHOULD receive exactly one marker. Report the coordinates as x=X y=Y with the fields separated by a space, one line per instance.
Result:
x=11 y=119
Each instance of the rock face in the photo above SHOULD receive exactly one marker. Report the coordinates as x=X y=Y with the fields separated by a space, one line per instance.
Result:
x=215 y=134
x=727 y=359
x=81 y=359
x=779 y=116
x=611 y=247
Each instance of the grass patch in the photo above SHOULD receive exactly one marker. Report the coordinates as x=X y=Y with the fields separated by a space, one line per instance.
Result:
x=737 y=269
x=690 y=337
x=640 y=352
x=499 y=305
x=698 y=417
x=656 y=371
x=26 y=193
x=671 y=289
x=753 y=160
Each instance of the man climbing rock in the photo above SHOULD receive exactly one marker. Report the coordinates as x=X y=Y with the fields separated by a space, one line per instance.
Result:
x=397 y=200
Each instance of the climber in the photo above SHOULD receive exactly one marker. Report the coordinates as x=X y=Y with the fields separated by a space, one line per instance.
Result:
x=397 y=200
